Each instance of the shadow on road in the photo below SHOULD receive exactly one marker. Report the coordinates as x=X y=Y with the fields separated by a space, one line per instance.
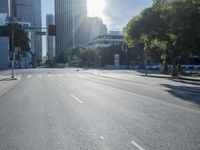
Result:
x=187 y=81
x=7 y=79
x=154 y=76
x=191 y=94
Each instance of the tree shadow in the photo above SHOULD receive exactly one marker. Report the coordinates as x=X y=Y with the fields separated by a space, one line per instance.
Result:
x=187 y=81
x=190 y=94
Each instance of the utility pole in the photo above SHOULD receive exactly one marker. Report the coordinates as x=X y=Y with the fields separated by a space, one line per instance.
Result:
x=73 y=26
x=13 y=37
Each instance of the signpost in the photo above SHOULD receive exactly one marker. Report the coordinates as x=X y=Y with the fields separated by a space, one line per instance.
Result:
x=116 y=60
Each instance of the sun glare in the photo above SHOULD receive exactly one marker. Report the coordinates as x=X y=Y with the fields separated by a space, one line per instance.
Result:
x=95 y=8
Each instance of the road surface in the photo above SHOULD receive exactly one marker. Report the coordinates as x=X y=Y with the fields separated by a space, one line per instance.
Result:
x=69 y=109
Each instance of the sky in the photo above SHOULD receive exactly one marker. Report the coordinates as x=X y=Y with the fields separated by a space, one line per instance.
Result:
x=115 y=13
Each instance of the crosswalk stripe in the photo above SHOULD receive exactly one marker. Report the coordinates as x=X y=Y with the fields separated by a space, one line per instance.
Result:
x=60 y=75
x=29 y=76
x=39 y=76
x=49 y=75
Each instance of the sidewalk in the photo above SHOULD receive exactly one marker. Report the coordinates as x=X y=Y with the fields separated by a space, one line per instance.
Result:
x=135 y=75
x=187 y=78
x=7 y=83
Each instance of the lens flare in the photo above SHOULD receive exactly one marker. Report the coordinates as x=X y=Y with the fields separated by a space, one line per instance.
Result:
x=96 y=8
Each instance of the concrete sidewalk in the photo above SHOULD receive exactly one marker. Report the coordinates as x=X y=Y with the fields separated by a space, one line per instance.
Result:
x=187 y=78
x=7 y=83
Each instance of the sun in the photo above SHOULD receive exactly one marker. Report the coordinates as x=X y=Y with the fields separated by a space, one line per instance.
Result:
x=96 y=8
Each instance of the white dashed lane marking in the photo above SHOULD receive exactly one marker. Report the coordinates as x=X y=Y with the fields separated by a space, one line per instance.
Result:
x=76 y=98
x=60 y=85
x=137 y=145
x=29 y=76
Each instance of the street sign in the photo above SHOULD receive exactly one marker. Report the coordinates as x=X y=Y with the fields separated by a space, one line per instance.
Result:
x=116 y=60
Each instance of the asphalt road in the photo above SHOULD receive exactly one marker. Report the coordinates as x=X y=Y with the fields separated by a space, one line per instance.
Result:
x=67 y=109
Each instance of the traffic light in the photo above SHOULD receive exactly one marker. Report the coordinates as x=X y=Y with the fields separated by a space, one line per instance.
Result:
x=52 y=30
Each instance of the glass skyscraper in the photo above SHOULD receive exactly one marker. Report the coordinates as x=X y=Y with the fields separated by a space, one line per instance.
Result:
x=50 y=39
x=30 y=11
x=70 y=16
x=4 y=6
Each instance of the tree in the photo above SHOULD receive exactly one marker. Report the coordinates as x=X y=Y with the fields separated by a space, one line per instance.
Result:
x=170 y=25
x=21 y=37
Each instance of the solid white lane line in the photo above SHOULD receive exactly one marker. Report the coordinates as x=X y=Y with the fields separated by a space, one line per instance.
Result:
x=29 y=76
x=137 y=145
x=77 y=99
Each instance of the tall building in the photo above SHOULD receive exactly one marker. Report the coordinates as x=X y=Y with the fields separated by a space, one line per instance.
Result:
x=3 y=17
x=4 y=53
x=95 y=27
x=30 y=11
x=50 y=39
x=70 y=16
x=4 y=6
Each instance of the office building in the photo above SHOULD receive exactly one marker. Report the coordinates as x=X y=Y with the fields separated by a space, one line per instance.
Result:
x=106 y=41
x=30 y=11
x=70 y=17
x=4 y=52
x=3 y=17
x=95 y=27
x=4 y=6
x=50 y=39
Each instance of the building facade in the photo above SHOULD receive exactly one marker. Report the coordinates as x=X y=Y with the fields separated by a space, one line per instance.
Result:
x=95 y=27
x=106 y=41
x=4 y=6
x=70 y=16
x=4 y=52
x=50 y=39
x=30 y=11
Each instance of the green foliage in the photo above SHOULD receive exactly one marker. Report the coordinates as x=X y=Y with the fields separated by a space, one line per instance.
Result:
x=96 y=57
x=169 y=26
x=80 y=56
x=51 y=63
x=21 y=38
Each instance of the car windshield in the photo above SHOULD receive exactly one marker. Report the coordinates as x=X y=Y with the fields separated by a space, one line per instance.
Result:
x=99 y=75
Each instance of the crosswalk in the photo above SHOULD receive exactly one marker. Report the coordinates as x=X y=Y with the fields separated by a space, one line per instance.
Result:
x=48 y=75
